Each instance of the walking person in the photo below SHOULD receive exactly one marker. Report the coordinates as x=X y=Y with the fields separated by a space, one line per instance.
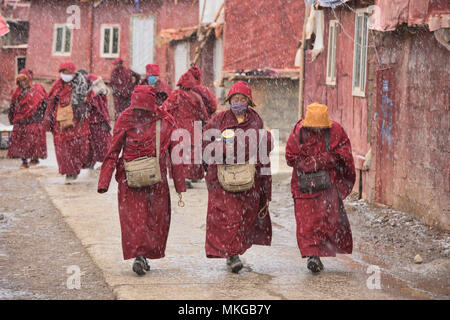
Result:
x=67 y=118
x=320 y=154
x=153 y=78
x=187 y=107
x=143 y=134
x=99 y=120
x=26 y=114
x=123 y=81
x=208 y=97
x=238 y=194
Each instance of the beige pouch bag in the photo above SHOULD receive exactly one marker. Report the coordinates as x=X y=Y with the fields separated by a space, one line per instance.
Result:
x=64 y=115
x=236 y=177
x=145 y=171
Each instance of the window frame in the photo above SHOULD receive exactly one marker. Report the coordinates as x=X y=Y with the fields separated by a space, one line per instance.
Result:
x=359 y=89
x=65 y=27
x=102 y=39
x=331 y=55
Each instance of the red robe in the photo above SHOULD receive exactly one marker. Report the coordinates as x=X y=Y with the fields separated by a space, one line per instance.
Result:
x=99 y=127
x=208 y=97
x=232 y=225
x=144 y=212
x=122 y=85
x=71 y=144
x=187 y=107
x=163 y=90
x=323 y=228
x=26 y=114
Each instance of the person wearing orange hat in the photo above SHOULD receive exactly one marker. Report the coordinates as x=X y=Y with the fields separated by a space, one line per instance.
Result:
x=26 y=114
x=237 y=219
x=320 y=153
x=153 y=78
x=123 y=80
x=67 y=118
x=208 y=97
x=144 y=210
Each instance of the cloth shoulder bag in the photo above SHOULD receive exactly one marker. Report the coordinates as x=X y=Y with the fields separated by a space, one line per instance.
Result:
x=318 y=180
x=64 y=115
x=236 y=177
x=145 y=171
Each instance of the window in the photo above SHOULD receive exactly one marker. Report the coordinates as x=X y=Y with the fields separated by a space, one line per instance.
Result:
x=17 y=37
x=360 y=52
x=110 y=40
x=331 y=57
x=62 y=41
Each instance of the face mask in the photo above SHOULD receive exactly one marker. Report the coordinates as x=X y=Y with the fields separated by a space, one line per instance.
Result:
x=152 y=79
x=238 y=108
x=66 y=77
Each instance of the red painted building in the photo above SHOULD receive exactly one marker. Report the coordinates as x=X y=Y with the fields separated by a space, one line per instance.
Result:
x=384 y=78
x=13 y=46
x=104 y=30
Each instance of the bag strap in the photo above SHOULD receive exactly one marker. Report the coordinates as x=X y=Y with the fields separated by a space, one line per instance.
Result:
x=158 y=137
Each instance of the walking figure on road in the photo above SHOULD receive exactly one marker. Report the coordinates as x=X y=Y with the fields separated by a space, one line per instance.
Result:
x=238 y=193
x=67 y=118
x=143 y=134
x=26 y=114
x=320 y=154
x=123 y=81
x=153 y=78
x=208 y=97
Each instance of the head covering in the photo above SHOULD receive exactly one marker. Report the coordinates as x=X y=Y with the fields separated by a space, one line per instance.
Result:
x=143 y=97
x=152 y=70
x=117 y=61
x=197 y=73
x=242 y=88
x=92 y=77
x=317 y=116
x=187 y=81
x=25 y=74
x=68 y=65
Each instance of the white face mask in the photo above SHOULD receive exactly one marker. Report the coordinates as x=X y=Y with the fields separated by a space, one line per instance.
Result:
x=66 y=77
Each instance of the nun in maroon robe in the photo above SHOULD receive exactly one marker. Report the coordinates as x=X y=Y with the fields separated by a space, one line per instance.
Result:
x=187 y=107
x=323 y=229
x=123 y=81
x=236 y=221
x=144 y=212
x=26 y=114
x=71 y=143
x=99 y=120
x=208 y=97
x=153 y=78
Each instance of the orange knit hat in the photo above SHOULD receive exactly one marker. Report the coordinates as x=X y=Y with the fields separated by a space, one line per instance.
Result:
x=317 y=116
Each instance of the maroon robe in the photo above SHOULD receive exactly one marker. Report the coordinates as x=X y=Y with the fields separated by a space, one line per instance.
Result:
x=71 y=144
x=323 y=228
x=144 y=212
x=162 y=89
x=26 y=114
x=99 y=127
x=122 y=85
x=232 y=223
x=208 y=97
x=186 y=107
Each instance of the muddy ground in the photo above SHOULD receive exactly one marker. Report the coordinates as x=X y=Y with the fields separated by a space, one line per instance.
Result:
x=37 y=247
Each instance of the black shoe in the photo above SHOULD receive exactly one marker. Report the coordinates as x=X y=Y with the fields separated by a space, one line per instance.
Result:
x=235 y=263
x=189 y=185
x=140 y=265
x=314 y=264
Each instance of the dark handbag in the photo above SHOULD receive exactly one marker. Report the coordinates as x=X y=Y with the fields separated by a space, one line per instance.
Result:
x=318 y=180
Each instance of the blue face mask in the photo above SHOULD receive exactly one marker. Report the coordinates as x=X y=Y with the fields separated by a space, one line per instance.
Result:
x=152 y=79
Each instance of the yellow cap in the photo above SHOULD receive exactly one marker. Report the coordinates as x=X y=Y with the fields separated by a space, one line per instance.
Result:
x=317 y=116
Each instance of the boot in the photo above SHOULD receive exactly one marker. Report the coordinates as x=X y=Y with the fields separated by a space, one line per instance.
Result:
x=34 y=162
x=140 y=265
x=70 y=178
x=235 y=263
x=314 y=264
